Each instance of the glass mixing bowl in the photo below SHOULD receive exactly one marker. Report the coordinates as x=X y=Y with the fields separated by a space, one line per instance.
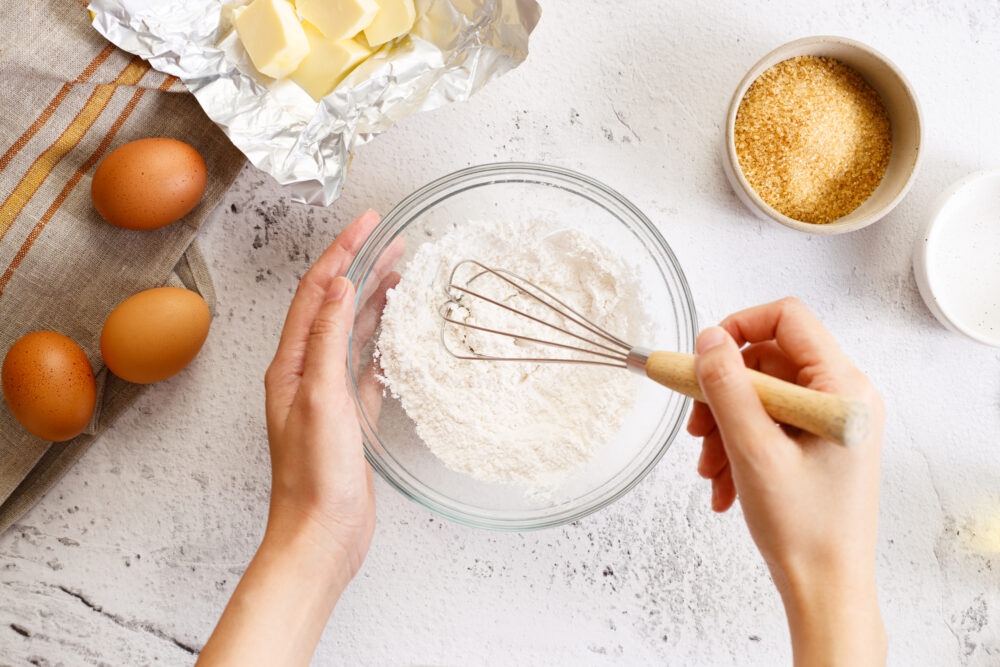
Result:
x=511 y=191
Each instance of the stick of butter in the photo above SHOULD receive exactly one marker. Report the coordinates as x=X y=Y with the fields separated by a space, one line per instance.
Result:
x=338 y=19
x=271 y=33
x=395 y=18
x=328 y=62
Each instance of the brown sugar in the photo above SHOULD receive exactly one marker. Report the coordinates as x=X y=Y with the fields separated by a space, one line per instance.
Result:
x=813 y=138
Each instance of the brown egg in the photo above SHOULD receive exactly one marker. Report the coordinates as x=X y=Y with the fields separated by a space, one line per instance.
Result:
x=49 y=385
x=148 y=183
x=154 y=334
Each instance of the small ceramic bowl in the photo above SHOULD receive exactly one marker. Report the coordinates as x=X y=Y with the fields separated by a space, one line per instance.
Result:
x=956 y=261
x=904 y=116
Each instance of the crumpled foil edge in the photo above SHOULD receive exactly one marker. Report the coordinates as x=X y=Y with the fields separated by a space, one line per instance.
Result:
x=455 y=48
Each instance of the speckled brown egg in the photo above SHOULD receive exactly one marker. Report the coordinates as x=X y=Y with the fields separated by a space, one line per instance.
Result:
x=155 y=334
x=148 y=183
x=49 y=385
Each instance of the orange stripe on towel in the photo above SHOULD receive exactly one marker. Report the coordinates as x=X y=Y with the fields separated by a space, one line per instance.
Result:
x=47 y=112
x=67 y=141
x=77 y=176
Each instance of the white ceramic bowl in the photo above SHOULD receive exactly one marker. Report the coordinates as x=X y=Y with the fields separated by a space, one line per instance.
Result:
x=904 y=116
x=956 y=261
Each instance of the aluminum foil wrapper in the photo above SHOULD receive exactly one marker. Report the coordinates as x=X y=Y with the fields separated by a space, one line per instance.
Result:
x=454 y=49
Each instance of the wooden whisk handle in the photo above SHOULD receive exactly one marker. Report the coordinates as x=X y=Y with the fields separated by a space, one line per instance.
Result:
x=842 y=420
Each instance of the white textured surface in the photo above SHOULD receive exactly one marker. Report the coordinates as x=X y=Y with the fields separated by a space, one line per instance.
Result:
x=130 y=559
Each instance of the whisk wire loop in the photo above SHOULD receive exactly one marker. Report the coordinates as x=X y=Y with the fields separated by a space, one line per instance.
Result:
x=579 y=318
x=619 y=359
x=612 y=352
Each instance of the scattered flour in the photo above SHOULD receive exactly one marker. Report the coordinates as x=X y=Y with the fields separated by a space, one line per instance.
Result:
x=509 y=421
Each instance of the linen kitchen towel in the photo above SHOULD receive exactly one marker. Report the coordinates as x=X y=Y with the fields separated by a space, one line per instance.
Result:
x=67 y=99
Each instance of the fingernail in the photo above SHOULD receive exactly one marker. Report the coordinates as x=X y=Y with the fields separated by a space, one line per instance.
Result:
x=715 y=498
x=709 y=338
x=701 y=457
x=337 y=289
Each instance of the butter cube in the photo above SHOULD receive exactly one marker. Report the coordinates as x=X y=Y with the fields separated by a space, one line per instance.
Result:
x=271 y=33
x=328 y=62
x=394 y=18
x=338 y=19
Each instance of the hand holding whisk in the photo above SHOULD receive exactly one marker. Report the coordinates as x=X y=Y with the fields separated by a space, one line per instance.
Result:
x=837 y=418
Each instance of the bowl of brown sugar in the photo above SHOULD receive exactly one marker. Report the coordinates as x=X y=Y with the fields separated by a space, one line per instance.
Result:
x=823 y=135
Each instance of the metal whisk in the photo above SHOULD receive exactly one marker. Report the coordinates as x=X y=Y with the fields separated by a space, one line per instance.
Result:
x=843 y=420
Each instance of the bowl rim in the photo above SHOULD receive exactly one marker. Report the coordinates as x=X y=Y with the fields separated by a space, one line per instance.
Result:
x=732 y=161
x=426 y=193
x=921 y=258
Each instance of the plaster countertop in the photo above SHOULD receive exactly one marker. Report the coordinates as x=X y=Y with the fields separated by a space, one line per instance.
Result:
x=132 y=556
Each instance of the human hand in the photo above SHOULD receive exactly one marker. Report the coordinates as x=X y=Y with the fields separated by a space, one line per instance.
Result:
x=322 y=511
x=811 y=505
x=321 y=483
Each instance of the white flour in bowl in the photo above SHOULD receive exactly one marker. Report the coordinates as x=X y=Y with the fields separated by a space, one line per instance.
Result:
x=510 y=421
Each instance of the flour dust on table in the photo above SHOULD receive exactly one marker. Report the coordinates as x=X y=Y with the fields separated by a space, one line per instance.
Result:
x=523 y=422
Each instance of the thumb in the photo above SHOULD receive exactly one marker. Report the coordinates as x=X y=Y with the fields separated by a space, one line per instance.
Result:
x=724 y=380
x=326 y=347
